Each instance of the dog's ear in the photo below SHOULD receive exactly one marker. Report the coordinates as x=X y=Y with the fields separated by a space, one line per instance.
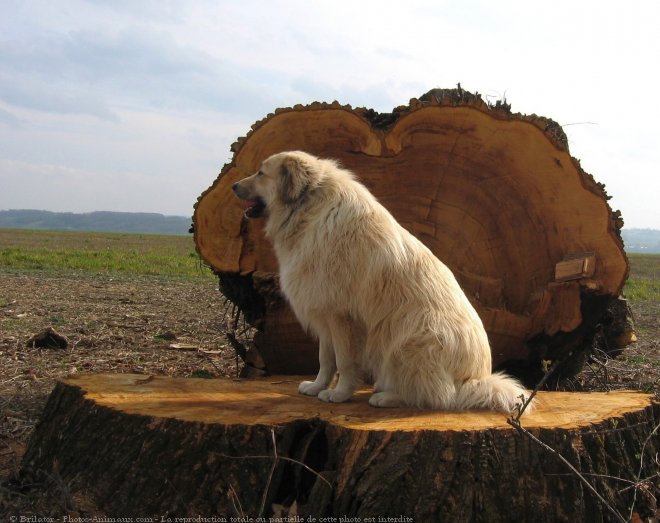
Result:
x=296 y=178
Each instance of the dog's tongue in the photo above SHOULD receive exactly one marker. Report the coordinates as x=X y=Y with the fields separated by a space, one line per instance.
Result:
x=249 y=203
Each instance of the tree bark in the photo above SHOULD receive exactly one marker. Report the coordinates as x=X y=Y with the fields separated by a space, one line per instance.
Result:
x=157 y=446
x=495 y=195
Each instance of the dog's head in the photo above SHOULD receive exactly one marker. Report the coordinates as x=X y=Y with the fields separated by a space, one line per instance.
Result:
x=283 y=179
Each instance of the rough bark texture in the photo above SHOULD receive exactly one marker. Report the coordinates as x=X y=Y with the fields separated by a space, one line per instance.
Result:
x=495 y=195
x=186 y=447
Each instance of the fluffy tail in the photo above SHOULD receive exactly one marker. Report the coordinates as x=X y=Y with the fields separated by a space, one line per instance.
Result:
x=495 y=392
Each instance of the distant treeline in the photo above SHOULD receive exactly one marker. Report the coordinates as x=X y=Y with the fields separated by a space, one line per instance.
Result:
x=641 y=240
x=636 y=240
x=101 y=221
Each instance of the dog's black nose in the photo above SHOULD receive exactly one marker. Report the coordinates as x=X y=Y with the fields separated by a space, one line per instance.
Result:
x=234 y=187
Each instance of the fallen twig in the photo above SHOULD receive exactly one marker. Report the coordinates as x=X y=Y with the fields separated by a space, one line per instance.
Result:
x=270 y=475
x=233 y=497
x=639 y=471
x=275 y=457
x=283 y=458
x=515 y=423
x=526 y=402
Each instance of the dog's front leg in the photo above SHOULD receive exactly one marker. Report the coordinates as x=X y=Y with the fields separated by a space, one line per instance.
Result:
x=349 y=375
x=346 y=385
x=327 y=369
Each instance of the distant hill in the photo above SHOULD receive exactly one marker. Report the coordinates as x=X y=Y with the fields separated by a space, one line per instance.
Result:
x=100 y=221
x=641 y=240
x=636 y=240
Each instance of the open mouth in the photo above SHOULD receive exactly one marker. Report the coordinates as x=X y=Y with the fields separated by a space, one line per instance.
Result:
x=254 y=208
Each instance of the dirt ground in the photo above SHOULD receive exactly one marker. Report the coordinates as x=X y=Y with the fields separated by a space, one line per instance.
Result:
x=158 y=326
x=112 y=324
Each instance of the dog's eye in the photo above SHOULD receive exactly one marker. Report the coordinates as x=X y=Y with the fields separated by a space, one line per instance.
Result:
x=260 y=173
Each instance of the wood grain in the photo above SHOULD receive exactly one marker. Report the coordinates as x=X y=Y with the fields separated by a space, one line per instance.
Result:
x=151 y=445
x=275 y=400
x=495 y=195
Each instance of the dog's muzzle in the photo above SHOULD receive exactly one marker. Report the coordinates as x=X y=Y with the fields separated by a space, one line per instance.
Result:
x=254 y=207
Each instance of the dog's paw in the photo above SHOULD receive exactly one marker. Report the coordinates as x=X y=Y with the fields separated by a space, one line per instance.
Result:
x=386 y=400
x=310 y=388
x=334 y=395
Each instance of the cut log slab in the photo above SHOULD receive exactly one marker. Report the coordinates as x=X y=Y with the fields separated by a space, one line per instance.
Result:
x=495 y=195
x=148 y=445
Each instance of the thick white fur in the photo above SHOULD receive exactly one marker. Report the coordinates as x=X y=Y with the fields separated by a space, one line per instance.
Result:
x=381 y=304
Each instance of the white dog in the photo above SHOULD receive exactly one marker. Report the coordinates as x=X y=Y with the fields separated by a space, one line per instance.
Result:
x=381 y=304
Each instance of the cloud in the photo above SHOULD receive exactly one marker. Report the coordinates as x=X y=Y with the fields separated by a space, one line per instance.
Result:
x=37 y=94
x=151 y=161
x=35 y=74
x=9 y=119
x=137 y=66
x=151 y=89
x=28 y=185
x=155 y=10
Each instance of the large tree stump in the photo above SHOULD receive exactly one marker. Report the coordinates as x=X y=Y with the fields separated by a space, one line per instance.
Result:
x=495 y=195
x=157 y=446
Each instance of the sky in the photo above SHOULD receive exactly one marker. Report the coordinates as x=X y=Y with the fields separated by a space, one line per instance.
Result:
x=132 y=105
